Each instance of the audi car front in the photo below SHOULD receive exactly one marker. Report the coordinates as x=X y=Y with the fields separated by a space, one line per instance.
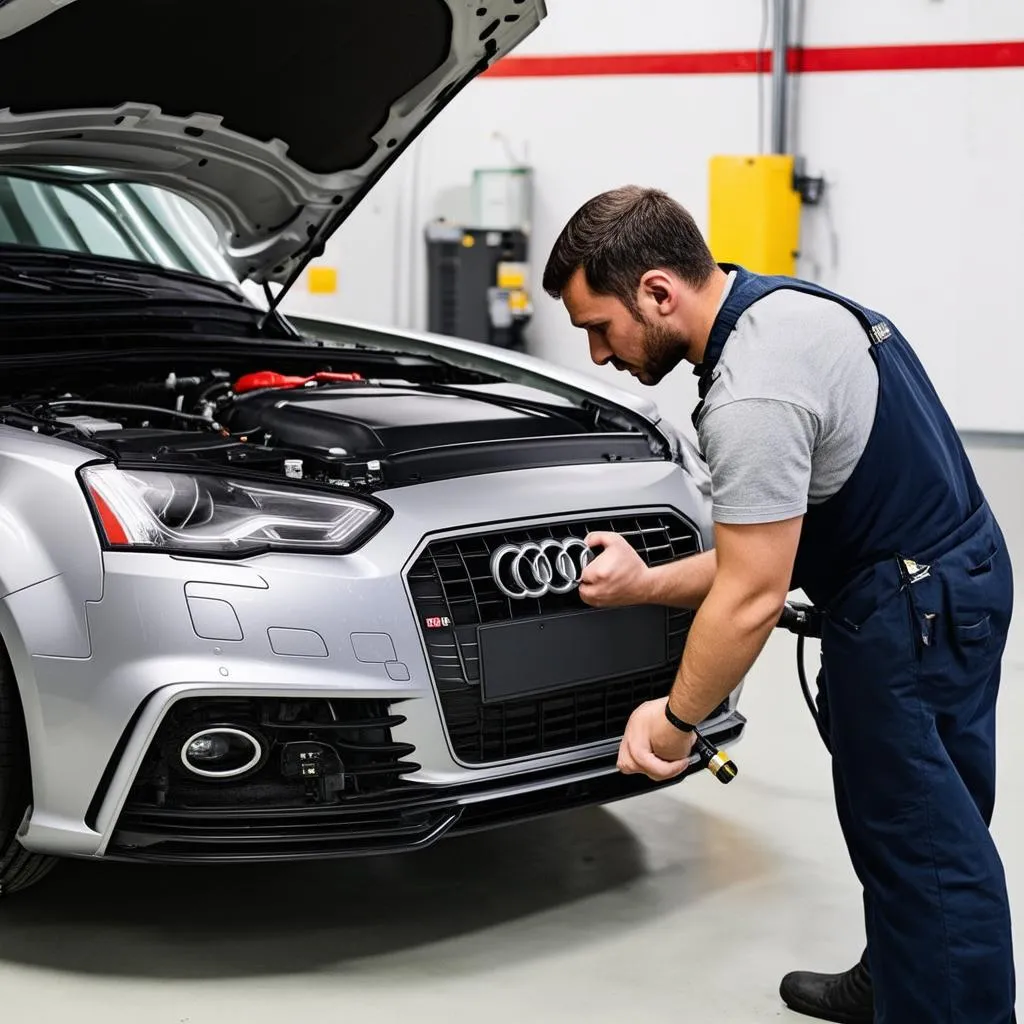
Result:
x=287 y=588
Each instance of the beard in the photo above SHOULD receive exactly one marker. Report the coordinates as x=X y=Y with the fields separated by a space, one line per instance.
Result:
x=664 y=348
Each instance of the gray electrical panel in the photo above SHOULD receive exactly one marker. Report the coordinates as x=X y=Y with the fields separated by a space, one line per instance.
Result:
x=477 y=285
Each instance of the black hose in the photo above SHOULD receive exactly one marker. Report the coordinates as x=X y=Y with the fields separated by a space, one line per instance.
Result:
x=204 y=395
x=85 y=403
x=801 y=671
x=804 y=620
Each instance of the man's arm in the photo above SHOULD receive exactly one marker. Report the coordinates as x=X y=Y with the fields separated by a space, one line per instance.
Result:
x=618 y=576
x=755 y=565
x=760 y=456
x=684 y=583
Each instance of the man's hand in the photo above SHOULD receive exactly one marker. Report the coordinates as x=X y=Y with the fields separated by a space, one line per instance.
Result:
x=617 y=577
x=652 y=745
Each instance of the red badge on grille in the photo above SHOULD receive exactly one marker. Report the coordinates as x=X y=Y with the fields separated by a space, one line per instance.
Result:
x=438 y=622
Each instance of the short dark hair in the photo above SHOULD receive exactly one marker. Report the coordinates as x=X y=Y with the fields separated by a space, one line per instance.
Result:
x=618 y=236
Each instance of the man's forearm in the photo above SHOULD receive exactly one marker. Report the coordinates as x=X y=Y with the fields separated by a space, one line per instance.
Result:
x=684 y=583
x=727 y=635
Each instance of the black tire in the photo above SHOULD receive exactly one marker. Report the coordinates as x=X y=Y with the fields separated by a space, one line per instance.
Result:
x=18 y=868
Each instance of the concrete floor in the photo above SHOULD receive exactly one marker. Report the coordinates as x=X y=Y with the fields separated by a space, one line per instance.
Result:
x=698 y=897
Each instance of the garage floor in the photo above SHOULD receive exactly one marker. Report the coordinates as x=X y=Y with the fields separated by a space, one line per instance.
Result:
x=701 y=896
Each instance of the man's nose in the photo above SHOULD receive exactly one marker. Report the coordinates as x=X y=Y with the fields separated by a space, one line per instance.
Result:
x=600 y=353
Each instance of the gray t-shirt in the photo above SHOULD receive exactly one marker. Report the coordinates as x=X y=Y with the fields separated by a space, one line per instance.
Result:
x=788 y=417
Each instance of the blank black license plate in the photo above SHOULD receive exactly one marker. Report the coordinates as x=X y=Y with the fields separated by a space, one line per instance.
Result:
x=534 y=656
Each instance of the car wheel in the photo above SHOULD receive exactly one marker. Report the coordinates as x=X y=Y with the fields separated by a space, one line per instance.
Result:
x=18 y=868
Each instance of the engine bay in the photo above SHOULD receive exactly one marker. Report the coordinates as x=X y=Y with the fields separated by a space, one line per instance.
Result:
x=366 y=428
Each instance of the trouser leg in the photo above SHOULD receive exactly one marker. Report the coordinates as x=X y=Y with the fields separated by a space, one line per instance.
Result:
x=911 y=713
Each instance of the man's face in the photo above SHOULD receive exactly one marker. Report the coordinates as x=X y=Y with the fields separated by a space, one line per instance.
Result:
x=647 y=348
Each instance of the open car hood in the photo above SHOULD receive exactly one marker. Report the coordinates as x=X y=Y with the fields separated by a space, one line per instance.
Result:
x=274 y=118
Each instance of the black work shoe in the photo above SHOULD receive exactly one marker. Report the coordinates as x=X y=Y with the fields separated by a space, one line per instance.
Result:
x=845 y=998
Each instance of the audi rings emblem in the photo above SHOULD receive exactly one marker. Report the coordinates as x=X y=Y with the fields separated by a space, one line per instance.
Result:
x=541 y=567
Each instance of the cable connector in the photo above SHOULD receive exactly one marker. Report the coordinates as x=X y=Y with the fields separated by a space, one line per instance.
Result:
x=801 y=619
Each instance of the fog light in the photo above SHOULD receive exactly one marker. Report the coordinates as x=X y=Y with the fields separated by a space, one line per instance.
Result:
x=208 y=748
x=221 y=753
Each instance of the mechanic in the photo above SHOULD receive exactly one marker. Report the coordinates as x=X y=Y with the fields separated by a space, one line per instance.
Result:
x=836 y=470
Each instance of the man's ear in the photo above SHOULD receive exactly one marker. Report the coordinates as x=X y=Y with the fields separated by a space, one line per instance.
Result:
x=659 y=291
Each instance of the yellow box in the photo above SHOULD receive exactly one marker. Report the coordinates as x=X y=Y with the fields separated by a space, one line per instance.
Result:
x=512 y=275
x=323 y=280
x=754 y=213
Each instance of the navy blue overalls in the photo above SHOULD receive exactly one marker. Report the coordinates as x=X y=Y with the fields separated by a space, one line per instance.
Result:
x=911 y=569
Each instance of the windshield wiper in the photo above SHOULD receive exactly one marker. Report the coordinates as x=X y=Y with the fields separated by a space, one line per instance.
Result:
x=30 y=277
x=69 y=280
x=27 y=282
x=110 y=273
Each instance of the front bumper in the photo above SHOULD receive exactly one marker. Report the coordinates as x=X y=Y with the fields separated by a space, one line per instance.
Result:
x=169 y=630
x=413 y=817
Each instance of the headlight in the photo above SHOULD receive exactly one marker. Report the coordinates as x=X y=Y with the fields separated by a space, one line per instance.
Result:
x=196 y=513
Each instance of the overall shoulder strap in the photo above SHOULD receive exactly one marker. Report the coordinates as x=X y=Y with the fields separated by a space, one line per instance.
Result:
x=747 y=289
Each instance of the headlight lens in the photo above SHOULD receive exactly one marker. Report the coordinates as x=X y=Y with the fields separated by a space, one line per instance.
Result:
x=196 y=513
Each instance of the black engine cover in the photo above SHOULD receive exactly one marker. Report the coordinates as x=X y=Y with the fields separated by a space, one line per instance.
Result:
x=378 y=421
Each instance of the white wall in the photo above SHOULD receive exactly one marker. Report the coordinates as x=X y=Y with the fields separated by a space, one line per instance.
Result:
x=925 y=210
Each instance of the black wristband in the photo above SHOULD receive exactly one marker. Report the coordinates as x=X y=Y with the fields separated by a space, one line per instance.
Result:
x=677 y=721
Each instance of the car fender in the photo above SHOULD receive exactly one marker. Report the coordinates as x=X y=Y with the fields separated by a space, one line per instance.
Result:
x=52 y=565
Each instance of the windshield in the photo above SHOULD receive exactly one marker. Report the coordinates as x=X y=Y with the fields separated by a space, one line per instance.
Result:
x=81 y=211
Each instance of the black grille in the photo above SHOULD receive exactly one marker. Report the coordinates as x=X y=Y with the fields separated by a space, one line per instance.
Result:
x=260 y=834
x=451 y=583
x=358 y=732
x=360 y=806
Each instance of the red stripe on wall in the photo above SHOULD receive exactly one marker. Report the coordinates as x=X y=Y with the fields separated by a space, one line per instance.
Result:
x=927 y=57
x=918 y=57
x=720 y=63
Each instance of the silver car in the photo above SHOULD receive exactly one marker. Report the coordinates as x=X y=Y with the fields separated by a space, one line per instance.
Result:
x=272 y=588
